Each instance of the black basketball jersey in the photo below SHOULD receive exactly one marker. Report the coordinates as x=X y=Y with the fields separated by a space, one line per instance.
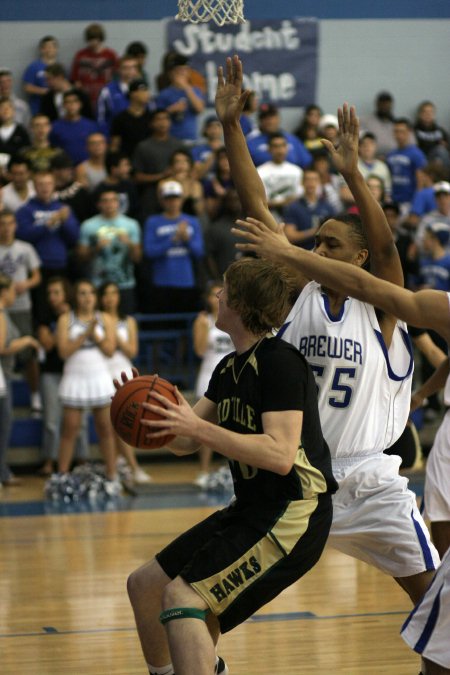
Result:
x=272 y=376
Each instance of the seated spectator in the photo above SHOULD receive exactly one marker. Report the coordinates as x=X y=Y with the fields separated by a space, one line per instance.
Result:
x=51 y=227
x=368 y=163
x=381 y=123
x=139 y=51
x=113 y=98
x=40 y=153
x=172 y=241
x=247 y=119
x=170 y=59
x=424 y=200
x=217 y=186
x=70 y=191
x=331 y=182
x=203 y=152
x=132 y=125
x=118 y=170
x=376 y=187
x=220 y=242
x=441 y=214
x=304 y=216
x=404 y=164
x=95 y=65
x=34 y=79
x=70 y=133
x=58 y=83
x=181 y=169
x=13 y=136
x=282 y=180
x=22 y=114
x=110 y=246
x=431 y=138
x=308 y=129
x=329 y=128
x=20 y=262
x=151 y=160
x=20 y=188
x=182 y=101
x=404 y=241
x=258 y=140
x=92 y=171
x=434 y=265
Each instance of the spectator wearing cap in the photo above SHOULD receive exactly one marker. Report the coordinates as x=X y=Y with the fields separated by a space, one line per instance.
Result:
x=34 y=77
x=110 y=246
x=381 y=123
x=132 y=125
x=70 y=191
x=70 y=133
x=404 y=164
x=139 y=51
x=441 y=214
x=258 y=140
x=20 y=188
x=52 y=101
x=172 y=241
x=113 y=98
x=203 y=152
x=434 y=266
x=369 y=165
x=22 y=114
x=329 y=128
x=182 y=101
x=94 y=65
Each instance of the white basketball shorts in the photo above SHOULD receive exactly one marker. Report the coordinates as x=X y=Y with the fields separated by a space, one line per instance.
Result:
x=437 y=475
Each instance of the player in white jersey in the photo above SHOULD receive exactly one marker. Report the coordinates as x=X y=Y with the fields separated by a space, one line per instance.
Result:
x=375 y=516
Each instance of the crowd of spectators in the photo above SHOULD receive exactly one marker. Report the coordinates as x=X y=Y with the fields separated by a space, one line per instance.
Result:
x=111 y=178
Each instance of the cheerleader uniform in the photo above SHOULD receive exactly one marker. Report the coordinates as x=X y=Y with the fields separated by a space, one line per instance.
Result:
x=119 y=361
x=219 y=344
x=86 y=380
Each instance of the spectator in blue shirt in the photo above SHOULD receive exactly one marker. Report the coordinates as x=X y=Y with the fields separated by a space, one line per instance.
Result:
x=434 y=271
x=404 y=164
x=258 y=140
x=70 y=133
x=172 y=241
x=113 y=98
x=183 y=101
x=34 y=77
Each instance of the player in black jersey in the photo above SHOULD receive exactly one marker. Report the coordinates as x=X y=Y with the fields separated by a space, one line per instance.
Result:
x=260 y=411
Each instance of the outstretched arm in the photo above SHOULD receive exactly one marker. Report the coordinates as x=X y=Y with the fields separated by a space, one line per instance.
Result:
x=425 y=309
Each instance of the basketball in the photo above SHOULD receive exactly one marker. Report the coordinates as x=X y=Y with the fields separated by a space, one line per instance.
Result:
x=127 y=411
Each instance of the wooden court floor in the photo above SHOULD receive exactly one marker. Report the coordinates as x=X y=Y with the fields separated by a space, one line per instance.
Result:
x=64 y=607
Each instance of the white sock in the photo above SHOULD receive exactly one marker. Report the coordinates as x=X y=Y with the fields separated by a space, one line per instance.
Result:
x=161 y=670
x=36 y=401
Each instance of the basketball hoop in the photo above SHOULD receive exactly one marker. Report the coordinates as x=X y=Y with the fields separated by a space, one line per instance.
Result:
x=220 y=11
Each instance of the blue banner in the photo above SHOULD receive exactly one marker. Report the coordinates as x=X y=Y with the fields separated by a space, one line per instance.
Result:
x=279 y=56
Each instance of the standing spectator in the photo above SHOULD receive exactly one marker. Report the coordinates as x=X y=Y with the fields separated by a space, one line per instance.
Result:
x=203 y=152
x=34 y=78
x=94 y=66
x=40 y=153
x=258 y=140
x=217 y=185
x=330 y=181
x=51 y=366
x=329 y=128
x=169 y=60
x=404 y=242
x=181 y=169
x=139 y=51
x=132 y=125
x=52 y=101
x=151 y=160
x=13 y=136
x=110 y=243
x=381 y=123
x=10 y=345
x=308 y=129
x=368 y=163
x=113 y=98
x=20 y=188
x=69 y=190
x=50 y=226
x=22 y=114
x=127 y=344
x=304 y=216
x=118 y=170
x=431 y=138
x=281 y=179
x=172 y=240
x=441 y=214
x=92 y=171
x=220 y=242
x=247 y=120
x=404 y=164
x=85 y=339
x=434 y=267
x=424 y=200
x=70 y=133
x=182 y=101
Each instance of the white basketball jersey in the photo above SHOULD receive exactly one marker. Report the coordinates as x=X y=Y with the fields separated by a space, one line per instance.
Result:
x=447 y=384
x=219 y=344
x=364 y=389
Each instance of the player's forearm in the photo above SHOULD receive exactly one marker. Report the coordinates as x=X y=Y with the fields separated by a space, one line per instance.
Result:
x=436 y=381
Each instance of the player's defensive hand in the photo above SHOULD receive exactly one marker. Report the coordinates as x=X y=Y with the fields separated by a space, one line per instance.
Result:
x=230 y=98
x=345 y=156
x=260 y=239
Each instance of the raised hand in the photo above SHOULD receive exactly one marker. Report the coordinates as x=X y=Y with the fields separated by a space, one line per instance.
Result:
x=260 y=239
x=345 y=156
x=230 y=97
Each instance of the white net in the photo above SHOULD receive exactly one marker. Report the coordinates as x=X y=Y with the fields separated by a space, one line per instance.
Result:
x=219 y=11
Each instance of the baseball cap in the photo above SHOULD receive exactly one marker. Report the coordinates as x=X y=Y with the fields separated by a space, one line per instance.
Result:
x=441 y=231
x=328 y=121
x=267 y=110
x=442 y=187
x=5 y=71
x=137 y=85
x=171 y=188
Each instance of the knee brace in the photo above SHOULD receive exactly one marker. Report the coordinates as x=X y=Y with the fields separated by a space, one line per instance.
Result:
x=183 y=613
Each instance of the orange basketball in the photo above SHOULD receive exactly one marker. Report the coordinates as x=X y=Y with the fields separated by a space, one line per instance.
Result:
x=127 y=411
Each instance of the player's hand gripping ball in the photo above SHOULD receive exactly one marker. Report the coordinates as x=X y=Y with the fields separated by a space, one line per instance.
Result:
x=127 y=411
